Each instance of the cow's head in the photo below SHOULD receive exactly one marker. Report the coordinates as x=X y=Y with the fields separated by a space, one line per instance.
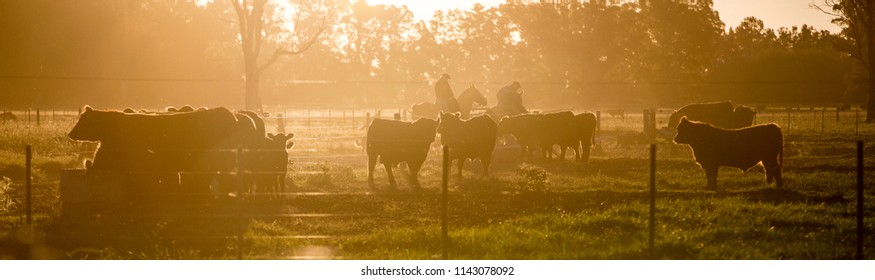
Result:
x=91 y=126
x=686 y=132
x=281 y=141
x=448 y=122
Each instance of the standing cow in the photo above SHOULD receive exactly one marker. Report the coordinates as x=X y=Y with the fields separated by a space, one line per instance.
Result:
x=741 y=148
x=471 y=139
x=393 y=142
x=200 y=143
x=267 y=157
x=557 y=129
x=525 y=129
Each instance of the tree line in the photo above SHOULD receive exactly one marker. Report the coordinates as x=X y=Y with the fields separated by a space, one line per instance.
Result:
x=137 y=53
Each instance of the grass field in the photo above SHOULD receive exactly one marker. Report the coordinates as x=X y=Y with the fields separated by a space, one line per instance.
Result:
x=544 y=209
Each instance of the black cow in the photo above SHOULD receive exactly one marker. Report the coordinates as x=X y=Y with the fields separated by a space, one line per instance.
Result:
x=525 y=129
x=720 y=114
x=200 y=143
x=394 y=142
x=266 y=156
x=742 y=148
x=471 y=139
x=557 y=129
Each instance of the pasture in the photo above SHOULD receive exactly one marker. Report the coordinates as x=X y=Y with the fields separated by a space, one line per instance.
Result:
x=543 y=209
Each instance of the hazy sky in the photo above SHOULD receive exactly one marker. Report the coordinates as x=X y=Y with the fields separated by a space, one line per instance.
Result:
x=774 y=13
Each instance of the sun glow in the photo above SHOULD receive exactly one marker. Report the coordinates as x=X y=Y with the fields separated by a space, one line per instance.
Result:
x=423 y=10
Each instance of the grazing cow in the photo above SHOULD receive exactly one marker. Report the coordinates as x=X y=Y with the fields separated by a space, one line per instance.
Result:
x=584 y=132
x=394 y=142
x=720 y=114
x=525 y=129
x=471 y=139
x=199 y=142
x=742 y=148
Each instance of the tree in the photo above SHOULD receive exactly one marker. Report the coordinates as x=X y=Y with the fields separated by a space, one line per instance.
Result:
x=856 y=18
x=259 y=22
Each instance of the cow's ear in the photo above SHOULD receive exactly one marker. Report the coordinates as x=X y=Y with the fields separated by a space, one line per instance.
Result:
x=457 y=114
x=684 y=120
x=88 y=108
x=270 y=135
x=290 y=144
x=290 y=135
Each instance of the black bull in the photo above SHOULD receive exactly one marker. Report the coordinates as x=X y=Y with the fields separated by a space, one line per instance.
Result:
x=201 y=144
x=741 y=148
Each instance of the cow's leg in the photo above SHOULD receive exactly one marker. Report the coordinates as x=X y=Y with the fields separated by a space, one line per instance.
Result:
x=524 y=150
x=711 y=175
x=773 y=172
x=372 y=162
x=562 y=149
x=461 y=165
x=584 y=152
x=485 y=160
x=414 y=172
x=392 y=182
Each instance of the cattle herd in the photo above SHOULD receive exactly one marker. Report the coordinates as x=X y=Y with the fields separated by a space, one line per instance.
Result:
x=197 y=149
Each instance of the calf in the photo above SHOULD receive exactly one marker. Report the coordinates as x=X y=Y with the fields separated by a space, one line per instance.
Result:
x=474 y=138
x=393 y=142
x=741 y=148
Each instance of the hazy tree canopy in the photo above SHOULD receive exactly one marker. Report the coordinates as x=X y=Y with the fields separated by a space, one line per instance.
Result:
x=138 y=53
x=856 y=18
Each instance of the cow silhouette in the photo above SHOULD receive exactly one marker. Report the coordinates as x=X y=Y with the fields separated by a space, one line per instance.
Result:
x=741 y=148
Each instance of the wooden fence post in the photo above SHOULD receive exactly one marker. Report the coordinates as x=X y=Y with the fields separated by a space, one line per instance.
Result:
x=445 y=239
x=28 y=185
x=652 y=220
x=598 y=120
x=238 y=199
x=861 y=230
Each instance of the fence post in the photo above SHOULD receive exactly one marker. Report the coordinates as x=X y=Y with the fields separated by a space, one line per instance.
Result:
x=367 y=119
x=652 y=221
x=444 y=189
x=598 y=120
x=28 y=184
x=238 y=200
x=37 y=117
x=857 y=122
x=860 y=229
x=281 y=124
x=822 y=119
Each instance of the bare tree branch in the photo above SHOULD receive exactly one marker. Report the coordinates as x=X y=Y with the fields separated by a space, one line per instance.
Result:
x=291 y=51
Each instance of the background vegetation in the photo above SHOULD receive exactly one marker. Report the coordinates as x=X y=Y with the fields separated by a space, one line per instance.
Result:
x=154 y=53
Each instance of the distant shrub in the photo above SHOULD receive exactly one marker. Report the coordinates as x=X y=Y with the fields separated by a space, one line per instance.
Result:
x=533 y=178
x=7 y=202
